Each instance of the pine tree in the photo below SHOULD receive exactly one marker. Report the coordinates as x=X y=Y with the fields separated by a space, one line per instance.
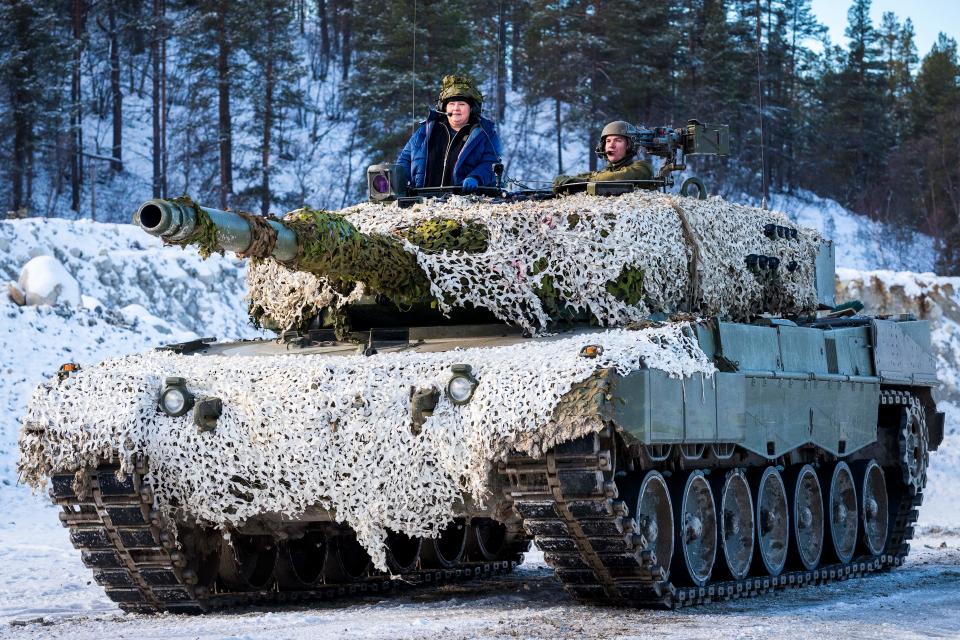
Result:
x=857 y=115
x=616 y=64
x=33 y=63
x=900 y=59
x=397 y=72
x=936 y=85
x=206 y=34
x=267 y=40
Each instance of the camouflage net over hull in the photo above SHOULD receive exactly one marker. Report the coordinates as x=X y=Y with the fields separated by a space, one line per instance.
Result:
x=577 y=253
x=334 y=431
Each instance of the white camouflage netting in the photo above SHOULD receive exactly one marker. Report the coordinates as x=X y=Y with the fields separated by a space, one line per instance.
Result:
x=331 y=430
x=291 y=297
x=655 y=232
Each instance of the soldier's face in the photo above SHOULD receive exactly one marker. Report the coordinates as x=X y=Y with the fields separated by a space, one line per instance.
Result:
x=458 y=113
x=615 y=147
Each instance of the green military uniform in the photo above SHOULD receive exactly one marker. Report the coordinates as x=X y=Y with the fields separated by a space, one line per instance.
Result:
x=626 y=169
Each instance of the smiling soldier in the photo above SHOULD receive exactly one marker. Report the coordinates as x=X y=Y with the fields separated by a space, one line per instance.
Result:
x=619 y=147
x=455 y=146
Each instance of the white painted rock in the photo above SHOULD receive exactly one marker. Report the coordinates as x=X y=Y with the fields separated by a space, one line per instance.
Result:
x=45 y=281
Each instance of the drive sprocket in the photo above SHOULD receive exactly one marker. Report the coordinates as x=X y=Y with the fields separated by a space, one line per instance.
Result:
x=913 y=437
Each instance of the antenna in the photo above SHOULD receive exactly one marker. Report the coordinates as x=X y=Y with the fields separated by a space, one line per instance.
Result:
x=497 y=61
x=763 y=160
x=413 y=74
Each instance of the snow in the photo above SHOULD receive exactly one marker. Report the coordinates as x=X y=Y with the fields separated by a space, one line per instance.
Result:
x=137 y=295
x=52 y=597
x=45 y=281
x=861 y=243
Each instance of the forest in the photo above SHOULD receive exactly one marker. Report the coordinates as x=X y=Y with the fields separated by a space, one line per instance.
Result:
x=268 y=105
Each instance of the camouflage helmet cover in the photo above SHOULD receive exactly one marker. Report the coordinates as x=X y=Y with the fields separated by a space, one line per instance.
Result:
x=618 y=128
x=459 y=87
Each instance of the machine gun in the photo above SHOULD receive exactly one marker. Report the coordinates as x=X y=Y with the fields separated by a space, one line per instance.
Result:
x=674 y=144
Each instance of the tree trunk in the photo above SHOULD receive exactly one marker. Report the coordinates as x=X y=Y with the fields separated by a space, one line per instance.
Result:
x=324 y=38
x=267 y=123
x=223 y=111
x=346 y=37
x=76 y=113
x=163 y=98
x=591 y=144
x=115 y=89
x=155 y=99
x=559 y=136
x=501 y=63
x=21 y=137
x=516 y=34
x=765 y=190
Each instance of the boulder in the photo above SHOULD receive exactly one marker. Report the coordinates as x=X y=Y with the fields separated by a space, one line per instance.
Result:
x=44 y=280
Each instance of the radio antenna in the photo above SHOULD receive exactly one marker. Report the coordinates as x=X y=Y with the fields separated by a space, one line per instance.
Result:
x=763 y=160
x=500 y=31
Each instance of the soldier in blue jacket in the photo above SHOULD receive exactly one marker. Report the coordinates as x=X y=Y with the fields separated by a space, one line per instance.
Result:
x=455 y=145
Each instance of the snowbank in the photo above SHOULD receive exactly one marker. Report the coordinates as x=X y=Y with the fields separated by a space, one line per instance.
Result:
x=861 y=243
x=45 y=281
x=135 y=295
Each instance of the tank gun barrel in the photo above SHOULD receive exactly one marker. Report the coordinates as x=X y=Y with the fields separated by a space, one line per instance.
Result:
x=178 y=223
x=319 y=242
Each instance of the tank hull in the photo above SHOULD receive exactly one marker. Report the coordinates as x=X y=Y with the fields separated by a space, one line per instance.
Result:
x=816 y=435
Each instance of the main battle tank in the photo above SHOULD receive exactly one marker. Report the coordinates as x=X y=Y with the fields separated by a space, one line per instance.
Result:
x=659 y=391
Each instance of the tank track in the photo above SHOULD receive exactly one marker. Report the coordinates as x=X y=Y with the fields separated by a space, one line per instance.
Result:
x=569 y=503
x=137 y=561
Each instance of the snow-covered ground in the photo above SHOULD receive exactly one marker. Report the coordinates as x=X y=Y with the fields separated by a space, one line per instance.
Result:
x=53 y=599
x=860 y=243
x=137 y=295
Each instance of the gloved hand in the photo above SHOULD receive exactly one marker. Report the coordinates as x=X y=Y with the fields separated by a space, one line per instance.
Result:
x=470 y=185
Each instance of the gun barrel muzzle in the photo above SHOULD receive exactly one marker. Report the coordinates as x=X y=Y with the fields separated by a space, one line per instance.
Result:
x=175 y=224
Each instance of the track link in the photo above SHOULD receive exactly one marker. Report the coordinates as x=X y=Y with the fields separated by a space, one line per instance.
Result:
x=138 y=563
x=569 y=504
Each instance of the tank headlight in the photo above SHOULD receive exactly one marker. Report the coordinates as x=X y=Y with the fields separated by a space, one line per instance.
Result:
x=175 y=400
x=462 y=385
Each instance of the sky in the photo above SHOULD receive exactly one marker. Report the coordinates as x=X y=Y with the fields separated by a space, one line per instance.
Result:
x=929 y=18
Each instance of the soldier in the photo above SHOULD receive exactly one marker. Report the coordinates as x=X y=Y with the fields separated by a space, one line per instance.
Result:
x=455 y=145
x=618 y=146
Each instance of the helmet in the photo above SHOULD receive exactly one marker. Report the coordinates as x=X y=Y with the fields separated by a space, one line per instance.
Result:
x=619 y=128
x=459 y=87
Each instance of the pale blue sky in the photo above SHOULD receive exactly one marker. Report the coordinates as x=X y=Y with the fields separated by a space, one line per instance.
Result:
x=929 y=18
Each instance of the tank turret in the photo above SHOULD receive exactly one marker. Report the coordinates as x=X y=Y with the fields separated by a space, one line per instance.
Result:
x=610 y=261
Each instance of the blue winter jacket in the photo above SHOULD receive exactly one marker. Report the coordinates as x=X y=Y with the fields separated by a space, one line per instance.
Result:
x=480 y=152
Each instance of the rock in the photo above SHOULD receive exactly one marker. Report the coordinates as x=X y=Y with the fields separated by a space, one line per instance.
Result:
x=91 y=304
x=44 y=280
x=16 y=293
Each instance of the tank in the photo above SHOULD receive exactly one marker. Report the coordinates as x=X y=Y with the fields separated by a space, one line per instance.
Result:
x=660 y=392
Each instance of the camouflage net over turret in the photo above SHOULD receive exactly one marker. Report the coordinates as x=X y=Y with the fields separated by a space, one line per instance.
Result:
x=532 y=263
